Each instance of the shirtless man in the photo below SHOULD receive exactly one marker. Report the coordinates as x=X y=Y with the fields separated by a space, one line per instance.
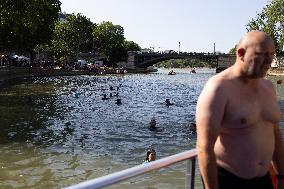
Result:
x=237 y=118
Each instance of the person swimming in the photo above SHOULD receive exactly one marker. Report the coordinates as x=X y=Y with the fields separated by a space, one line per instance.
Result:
x=118 y=101
x=104 y=97
x=168 y=103
x=152 y=124
x=150 y=155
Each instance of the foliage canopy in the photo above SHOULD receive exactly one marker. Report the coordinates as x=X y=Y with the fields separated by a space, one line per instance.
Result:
x=24 y=24
x=271 y=21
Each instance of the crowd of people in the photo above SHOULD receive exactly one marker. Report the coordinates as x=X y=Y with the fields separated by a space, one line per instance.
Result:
x=16 y=61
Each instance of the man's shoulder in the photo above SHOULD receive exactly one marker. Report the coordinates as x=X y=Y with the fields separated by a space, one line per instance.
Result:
x=220 y=84
x=267 y=84
x=214 y=86
x=267 y=81
x=218 y=80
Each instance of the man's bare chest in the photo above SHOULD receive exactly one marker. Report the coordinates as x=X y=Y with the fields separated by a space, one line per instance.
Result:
x=243 y=110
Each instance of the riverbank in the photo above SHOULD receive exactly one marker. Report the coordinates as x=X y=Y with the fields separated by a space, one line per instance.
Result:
x=276 y=71
x=8 y=75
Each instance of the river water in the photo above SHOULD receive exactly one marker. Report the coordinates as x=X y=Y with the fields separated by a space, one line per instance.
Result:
x=58 y=131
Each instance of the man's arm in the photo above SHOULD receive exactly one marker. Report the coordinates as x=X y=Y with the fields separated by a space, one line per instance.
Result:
x=278 y=156
x=209 y=115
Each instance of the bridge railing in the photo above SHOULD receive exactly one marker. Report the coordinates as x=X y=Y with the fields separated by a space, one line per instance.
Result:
x=189 y=156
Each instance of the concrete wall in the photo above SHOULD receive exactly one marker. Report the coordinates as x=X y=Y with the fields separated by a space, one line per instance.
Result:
x=226 y=60
x=130 y=64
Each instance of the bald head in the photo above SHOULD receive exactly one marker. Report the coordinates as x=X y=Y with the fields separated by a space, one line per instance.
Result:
x=254 y=38
x=255 y=53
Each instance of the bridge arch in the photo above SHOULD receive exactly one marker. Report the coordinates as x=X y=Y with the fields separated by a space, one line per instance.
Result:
x=150 y=60
x=138 y=60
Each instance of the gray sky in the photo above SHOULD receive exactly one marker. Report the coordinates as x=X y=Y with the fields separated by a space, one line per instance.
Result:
x=196 y=24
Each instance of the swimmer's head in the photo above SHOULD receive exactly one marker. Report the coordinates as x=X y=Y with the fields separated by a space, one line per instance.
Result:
x=151 y=155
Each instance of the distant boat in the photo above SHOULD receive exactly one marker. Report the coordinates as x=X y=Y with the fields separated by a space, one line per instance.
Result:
x=120 y=71
x=172 y=72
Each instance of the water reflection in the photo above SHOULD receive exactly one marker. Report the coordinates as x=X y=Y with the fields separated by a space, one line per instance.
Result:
x=24 y=109
x=58 y=131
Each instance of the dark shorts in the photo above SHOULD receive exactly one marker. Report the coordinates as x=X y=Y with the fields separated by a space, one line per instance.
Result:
x=227 y=180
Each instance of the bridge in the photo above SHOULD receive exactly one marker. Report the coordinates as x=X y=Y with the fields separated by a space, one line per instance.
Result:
x=141 y=61
x=137 y=60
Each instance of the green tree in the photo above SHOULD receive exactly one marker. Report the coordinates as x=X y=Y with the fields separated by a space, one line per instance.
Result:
x=271 y=21
x=80 y=33
x=62 y=45
x=24 y=24
x=131 y=46
x=233 y=50
x=128 y=46
x=72 y=37
x=109 y=40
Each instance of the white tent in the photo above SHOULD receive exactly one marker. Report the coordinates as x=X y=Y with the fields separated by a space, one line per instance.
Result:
x=21 y=57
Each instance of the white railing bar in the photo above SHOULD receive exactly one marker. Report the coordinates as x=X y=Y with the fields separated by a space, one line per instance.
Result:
x=134 y=171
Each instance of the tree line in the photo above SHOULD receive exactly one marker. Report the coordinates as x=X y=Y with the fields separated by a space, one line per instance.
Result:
x=34 y=26
x=271 y=21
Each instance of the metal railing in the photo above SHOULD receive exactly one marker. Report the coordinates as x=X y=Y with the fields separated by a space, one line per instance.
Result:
x=189 y=156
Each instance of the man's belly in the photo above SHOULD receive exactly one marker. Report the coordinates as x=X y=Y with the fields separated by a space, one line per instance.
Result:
x=245 y=155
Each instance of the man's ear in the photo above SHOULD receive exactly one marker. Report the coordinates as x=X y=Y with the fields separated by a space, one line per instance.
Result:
x=241 y=53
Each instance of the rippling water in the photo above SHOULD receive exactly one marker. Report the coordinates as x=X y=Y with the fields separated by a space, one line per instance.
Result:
x=58 y=131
